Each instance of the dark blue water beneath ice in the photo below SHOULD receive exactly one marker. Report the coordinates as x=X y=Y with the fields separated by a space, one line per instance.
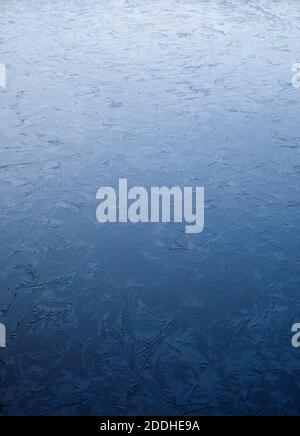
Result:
x=123 y=319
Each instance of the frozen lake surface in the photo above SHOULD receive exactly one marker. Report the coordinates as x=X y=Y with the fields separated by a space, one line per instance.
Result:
x=144 y=319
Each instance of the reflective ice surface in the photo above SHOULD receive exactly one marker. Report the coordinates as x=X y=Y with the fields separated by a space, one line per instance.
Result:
x=144 y=319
